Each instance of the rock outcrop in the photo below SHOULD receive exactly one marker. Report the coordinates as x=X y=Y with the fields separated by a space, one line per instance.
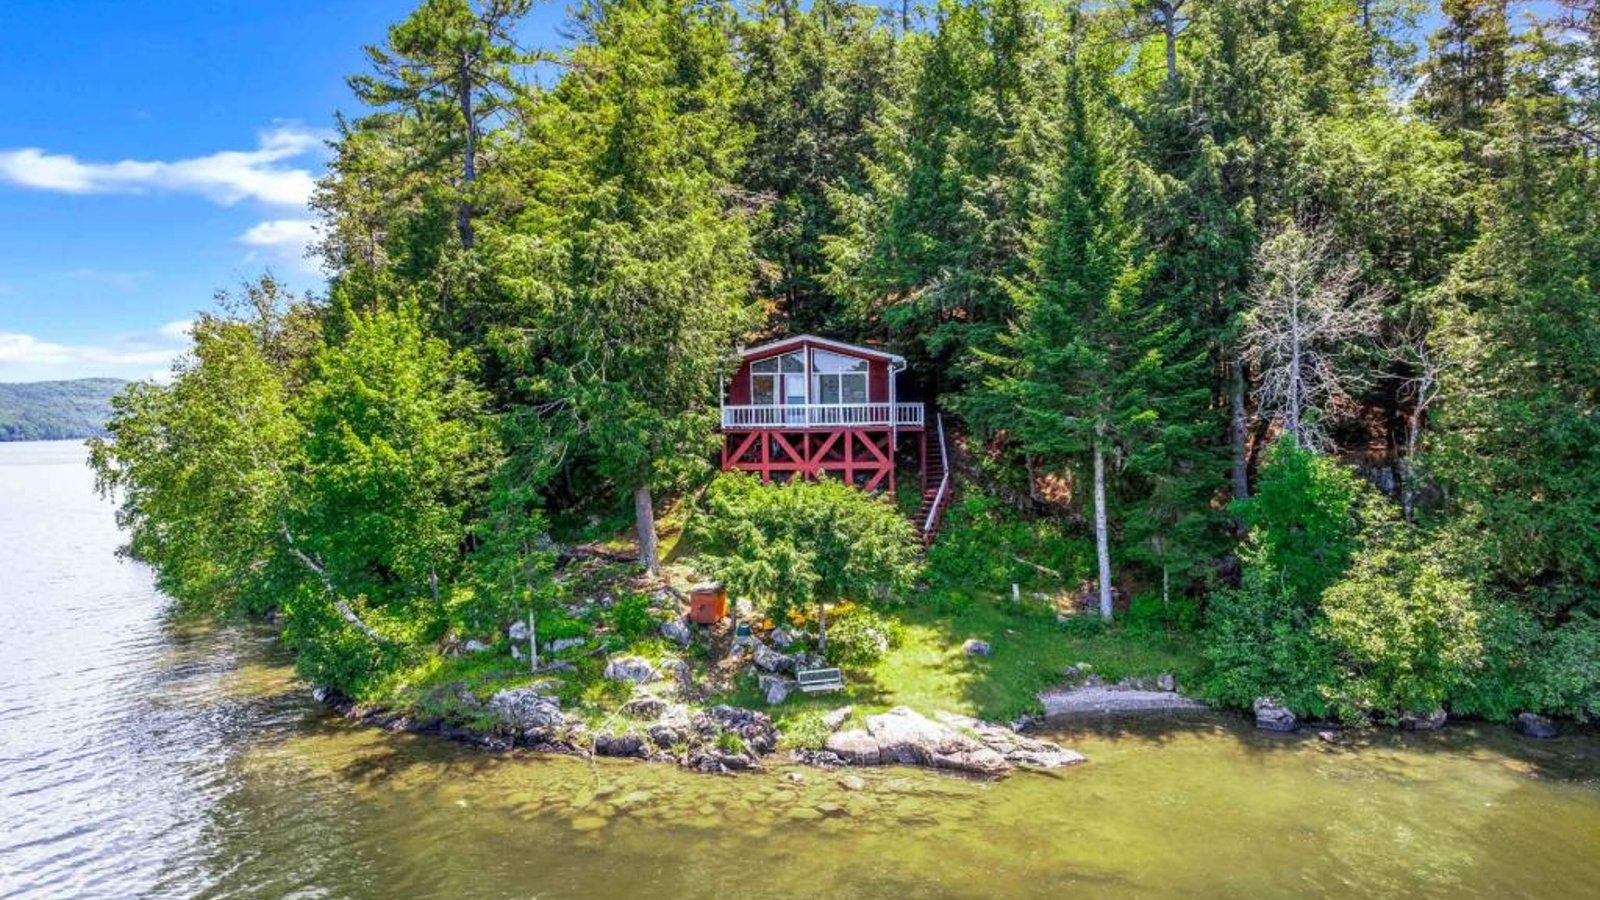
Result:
x=631 y=668
x=1273 y=716
x=1423 y=721
x=957 y=743
x=1094 y=697
x=1536 y=726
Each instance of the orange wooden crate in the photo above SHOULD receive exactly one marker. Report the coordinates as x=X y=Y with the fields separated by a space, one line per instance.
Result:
x=708 y=603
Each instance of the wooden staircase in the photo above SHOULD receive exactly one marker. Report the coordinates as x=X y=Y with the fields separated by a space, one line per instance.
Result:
x=935 y=485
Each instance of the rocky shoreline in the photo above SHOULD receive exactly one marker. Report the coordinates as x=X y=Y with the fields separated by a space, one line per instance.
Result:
x=725 y=739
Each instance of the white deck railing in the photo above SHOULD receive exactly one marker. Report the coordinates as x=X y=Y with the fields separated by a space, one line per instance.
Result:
x=823 y=415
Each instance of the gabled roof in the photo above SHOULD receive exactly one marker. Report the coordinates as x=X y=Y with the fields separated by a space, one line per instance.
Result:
x=802 y=339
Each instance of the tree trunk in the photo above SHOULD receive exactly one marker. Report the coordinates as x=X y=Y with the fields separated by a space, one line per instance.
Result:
x=644 y=512
x=822 y=627
x=1237 y=432
x=1102 y=546
x=469 y=157
x=1169 y=22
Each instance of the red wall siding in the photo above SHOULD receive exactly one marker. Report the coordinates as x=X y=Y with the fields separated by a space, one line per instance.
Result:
x=878 y=381
x=739 y=386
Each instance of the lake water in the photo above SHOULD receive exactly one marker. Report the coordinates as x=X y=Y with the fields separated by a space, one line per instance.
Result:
x=139 y=757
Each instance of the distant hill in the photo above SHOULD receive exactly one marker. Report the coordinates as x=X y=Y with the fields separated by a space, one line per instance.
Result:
x=56 y=410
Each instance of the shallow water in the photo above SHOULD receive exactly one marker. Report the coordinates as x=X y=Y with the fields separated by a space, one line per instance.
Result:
x=143 y=758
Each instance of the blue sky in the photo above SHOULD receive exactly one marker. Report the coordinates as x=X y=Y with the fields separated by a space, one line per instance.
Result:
x=152 y=152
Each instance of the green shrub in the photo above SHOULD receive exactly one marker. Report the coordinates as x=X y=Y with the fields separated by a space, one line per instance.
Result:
x=804 y=732
x=1402 y=624
x=860 y=637
x=790 y=545
x=1148 y=614
x=630 y=617
x=985 y=546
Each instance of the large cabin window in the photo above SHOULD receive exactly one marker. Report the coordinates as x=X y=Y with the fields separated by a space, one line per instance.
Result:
x=778 y=379
x=838 y=379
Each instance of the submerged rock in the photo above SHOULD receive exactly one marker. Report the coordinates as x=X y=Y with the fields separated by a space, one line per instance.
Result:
x=1536 y=726
x=1428 y=721
x=1273 y=716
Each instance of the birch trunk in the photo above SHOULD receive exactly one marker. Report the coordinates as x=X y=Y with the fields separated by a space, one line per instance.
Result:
x=644 y=511
x=1102 y=546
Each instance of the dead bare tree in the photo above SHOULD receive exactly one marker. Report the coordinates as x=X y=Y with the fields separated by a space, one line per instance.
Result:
x=1415 y=349
x=1308 y=305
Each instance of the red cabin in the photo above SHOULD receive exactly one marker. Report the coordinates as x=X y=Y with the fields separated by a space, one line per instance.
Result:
x=807 y=406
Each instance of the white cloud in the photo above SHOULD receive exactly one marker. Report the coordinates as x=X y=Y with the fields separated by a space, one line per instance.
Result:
x=226 y=177
x=25 y=357
x=292 y=234
x=284 y=240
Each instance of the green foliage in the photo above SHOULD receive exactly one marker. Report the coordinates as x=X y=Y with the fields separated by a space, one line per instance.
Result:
x=1302 y=528
x=630 y=617
x=1403 y=624
x=788 y=545
x=1262 y=638
x=985 y=546
x=859 y=637
x=806 y=731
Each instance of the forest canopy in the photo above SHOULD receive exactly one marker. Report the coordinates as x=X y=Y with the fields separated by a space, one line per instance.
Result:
x=1293 y=308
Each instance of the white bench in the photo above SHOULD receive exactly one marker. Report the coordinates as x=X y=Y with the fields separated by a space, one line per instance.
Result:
x=812 y=680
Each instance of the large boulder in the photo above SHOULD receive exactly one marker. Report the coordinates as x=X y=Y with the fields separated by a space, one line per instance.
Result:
x=1536 y=726
x=1424 y=721
x=777 y=688
x=675 y=630
x=1273 y=716
x=560 y=644
x=644 y=706
x=856 y=747
x=782 y=637
x=528 y=712
x=906 y=736
x=974 y=647
x=631 y=668
x=755 y=728
x=1017 y=749
x=625 y=744
x=770 y=660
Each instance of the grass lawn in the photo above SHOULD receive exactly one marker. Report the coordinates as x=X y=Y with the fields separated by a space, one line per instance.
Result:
x=930 y=672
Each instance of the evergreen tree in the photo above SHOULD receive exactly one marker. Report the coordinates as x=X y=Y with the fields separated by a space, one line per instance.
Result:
x=1076 y=370
x=814 y=82
x=630 y=269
